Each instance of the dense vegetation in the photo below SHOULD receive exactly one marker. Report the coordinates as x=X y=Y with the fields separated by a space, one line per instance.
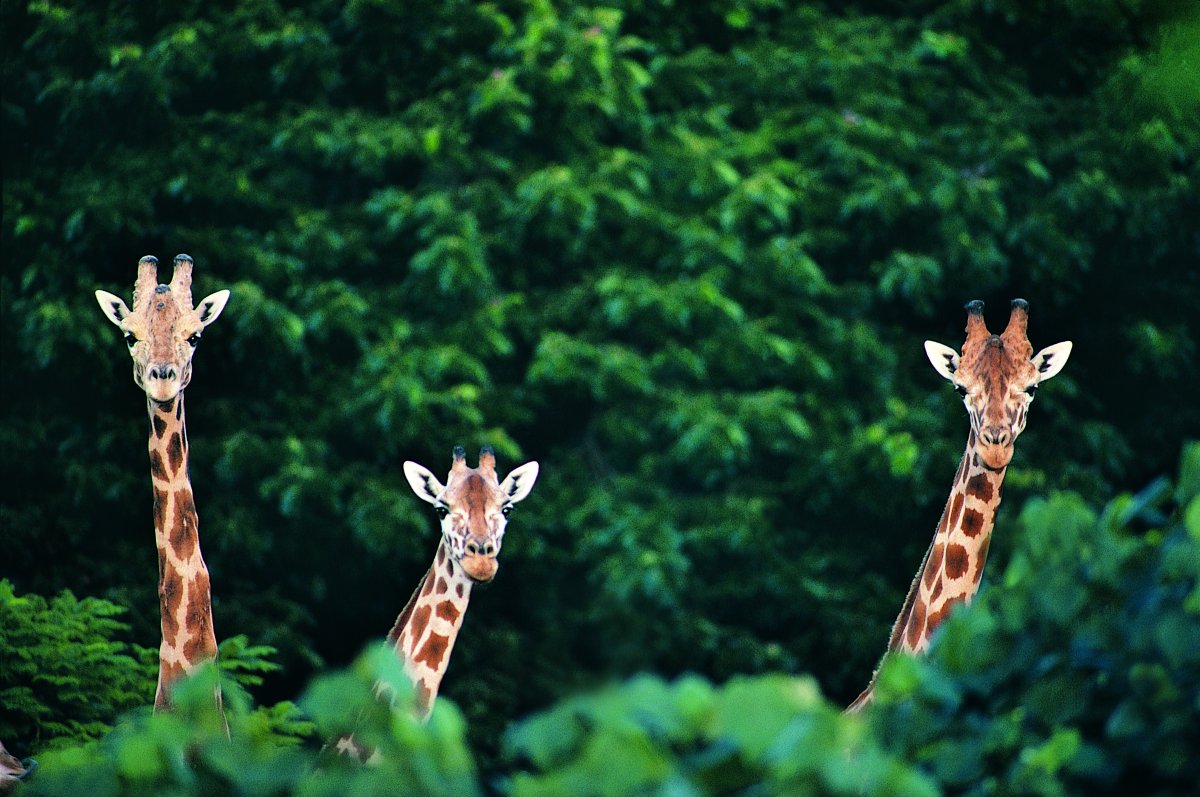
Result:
x=1073 y=674
x=684 y=255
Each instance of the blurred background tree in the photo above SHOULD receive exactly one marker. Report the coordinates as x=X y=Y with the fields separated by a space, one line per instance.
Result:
x=684 y=255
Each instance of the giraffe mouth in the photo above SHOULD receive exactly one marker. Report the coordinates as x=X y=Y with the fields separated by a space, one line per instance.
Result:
x=162 y=392
x=995 y=458
x=479 y=568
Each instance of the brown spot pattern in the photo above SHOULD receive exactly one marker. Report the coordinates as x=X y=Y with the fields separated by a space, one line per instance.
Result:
x=202 y=644
x=972 y=523
x=424 y=697
x=175 y=452
x=396 y=635
x=160 y=510
x=168 y=674
x=183 y=530
x=427 y=587
x=956 y=509
x=916 y=624
x=200 y=647
x=448 y=611
x=459 y=589
x=160 y=425
x=933 y=565
x=420 y=619
x=475 y=495
x=981 y=558
x=441 y=585
x=432 y=651
x=980 y=486
x=937 y=591
x=937 y=617
x=957 y=560
x=170 y=594
x=156 y=466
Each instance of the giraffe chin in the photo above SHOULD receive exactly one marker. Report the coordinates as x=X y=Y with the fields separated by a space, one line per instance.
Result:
x=162 y=391
x=479 y=568
x=995 y=457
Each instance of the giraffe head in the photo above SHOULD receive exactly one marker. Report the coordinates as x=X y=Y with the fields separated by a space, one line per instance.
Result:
x=473 y=506
x=163 y=329
x=997 y=376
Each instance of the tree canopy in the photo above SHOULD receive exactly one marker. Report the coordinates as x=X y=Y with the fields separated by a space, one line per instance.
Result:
x=682 y=254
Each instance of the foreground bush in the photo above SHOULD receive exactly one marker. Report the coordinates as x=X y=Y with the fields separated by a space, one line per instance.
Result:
x=1074 y=674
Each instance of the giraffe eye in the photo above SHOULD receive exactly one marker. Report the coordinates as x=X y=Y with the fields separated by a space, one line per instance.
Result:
x=960 y=390
x=441 y=512
x=194 y=339
x=506 y=509
x=1031 y=390
x=130 y=339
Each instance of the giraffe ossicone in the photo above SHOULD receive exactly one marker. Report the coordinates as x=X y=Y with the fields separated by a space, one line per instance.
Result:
x=997 y=376
x=162 y=330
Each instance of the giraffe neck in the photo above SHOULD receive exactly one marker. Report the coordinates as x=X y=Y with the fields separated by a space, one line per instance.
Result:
x=426 y=629
x=423 y=637
x=188 y=638
x=953 y=565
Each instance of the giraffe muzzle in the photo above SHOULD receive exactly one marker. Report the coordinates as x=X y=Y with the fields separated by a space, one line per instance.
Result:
x=162 y=382
x=165 y=372
x=995 y=457
x=996 y=436
x=479 y=567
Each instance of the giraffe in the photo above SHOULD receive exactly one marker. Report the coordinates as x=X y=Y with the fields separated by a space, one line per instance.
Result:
x=13 y=771
x=997 y=377
x=473 y=508
x=162 y=332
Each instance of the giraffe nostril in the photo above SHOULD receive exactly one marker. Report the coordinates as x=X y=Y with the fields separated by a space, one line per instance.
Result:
x=996 y=437
x=472 y=548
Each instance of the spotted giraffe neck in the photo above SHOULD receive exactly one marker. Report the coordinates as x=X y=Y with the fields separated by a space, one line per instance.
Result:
x=426 y=629
x=422 y=637
x=953 y=565
x=188 y=638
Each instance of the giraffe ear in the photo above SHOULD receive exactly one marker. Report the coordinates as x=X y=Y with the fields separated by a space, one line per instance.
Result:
x=1050 y=360
x=423 y=482
x=211 y=306
x=518 y=483
x=113 y=306
x=944 y=358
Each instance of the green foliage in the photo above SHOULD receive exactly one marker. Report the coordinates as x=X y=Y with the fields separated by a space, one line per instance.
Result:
x=244 y=663
x=1071 y=675
x=65 y=674
x=186 y=751
x=766 y=735
x=682 y=254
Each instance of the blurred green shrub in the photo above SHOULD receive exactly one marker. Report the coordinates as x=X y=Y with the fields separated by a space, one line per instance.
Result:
x=1074 y=675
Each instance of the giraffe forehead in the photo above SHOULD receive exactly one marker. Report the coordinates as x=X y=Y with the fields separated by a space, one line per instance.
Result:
x=995 y=365
x=472 y=492
x=162 y=320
